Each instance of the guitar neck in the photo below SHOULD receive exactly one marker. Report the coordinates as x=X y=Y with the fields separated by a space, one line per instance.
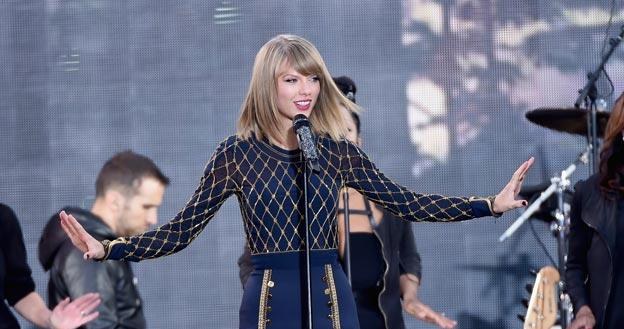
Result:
x=542 y=310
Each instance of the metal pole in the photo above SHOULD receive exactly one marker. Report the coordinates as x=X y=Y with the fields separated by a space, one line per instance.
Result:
x=561 y=232
x=307 y=245
x=347 y=236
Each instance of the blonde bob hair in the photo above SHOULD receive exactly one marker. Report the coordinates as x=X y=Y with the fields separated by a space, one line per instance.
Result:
x=259 y=113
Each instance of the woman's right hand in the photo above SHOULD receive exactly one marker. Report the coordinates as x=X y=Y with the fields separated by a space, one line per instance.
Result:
x=584 y=319
x=92 y=248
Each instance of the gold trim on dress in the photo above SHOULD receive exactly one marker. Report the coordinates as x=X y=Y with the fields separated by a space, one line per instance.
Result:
x=108 y=246
x=264 y=299
x=333 y=297
x=490 y=203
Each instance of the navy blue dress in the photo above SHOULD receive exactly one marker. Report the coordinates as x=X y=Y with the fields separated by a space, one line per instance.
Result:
x=268 y=183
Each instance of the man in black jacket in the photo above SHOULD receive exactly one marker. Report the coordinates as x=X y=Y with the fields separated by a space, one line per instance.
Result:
x=129 y=190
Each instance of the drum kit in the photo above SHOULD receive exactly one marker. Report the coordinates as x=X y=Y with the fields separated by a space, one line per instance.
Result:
x=552 y=204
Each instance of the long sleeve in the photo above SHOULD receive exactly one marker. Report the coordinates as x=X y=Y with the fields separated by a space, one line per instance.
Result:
x=576 y=265
x=362 y=174
x=18 y=281
x=215 y=186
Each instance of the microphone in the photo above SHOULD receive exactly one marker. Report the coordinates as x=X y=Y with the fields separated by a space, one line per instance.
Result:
x=301 y=125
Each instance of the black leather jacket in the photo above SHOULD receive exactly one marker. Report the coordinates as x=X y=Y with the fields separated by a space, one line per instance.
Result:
x=71 y=275
x=589 y=268
x=401 y=256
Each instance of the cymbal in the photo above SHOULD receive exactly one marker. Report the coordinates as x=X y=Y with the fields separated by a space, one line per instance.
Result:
x=568 y=120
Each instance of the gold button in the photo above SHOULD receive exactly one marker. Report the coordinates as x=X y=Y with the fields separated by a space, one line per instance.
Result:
x=271 y=284
x=327 y=291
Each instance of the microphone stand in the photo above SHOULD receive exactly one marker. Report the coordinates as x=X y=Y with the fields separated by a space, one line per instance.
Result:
x=306 y=170
x=558 y=184
x=347 y=236
x=560 y=228
x=307 y=141
x=588 y=95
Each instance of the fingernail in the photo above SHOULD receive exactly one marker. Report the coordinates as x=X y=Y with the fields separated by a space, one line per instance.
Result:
x=524 y=203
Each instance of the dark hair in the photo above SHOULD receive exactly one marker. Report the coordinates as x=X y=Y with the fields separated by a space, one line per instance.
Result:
x=612 y=153
x=125 y=170
x=356 y=119
x=347 y=86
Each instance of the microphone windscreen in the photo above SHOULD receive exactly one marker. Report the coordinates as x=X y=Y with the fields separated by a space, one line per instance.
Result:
x=300 y=120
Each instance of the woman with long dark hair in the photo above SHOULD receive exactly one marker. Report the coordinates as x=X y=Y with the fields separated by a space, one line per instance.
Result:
x=595 y=265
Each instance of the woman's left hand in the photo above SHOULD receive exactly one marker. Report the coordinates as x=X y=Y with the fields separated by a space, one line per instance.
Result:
x=69 y=315
x=423 y=312
x=506 y=199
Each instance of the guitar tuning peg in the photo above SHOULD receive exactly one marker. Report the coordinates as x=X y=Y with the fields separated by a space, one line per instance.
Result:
x=521 y=317
x=525 y=302
x=529 y=287
x=533 y=271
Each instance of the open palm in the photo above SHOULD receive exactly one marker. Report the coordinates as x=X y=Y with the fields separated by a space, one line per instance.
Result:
x=506 y=199
x=70 y=315
x=91 y=247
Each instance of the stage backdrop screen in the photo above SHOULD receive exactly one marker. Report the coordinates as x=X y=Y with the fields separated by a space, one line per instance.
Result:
x=445 y=86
